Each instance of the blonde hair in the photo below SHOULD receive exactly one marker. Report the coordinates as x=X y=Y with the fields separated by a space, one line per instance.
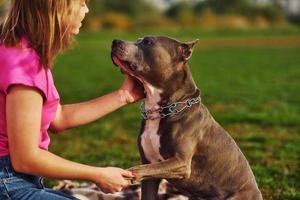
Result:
x=47 y=25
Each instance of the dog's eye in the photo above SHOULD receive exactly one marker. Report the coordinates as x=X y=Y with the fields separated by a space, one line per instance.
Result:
x=147 y=41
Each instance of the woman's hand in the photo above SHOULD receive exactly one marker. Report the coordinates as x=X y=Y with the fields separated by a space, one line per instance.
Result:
x=131 y=91
x=112 y=179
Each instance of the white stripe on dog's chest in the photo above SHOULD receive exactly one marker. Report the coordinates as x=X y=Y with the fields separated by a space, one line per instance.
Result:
x=150 y=141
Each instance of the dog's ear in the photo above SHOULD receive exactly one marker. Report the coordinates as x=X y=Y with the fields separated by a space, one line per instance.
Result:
x=186 y=49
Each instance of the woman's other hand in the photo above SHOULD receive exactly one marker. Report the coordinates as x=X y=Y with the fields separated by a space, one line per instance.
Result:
x=131 y=91
x=112 y=179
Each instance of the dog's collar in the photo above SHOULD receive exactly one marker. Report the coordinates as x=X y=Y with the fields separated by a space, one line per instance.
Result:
x=169 y=110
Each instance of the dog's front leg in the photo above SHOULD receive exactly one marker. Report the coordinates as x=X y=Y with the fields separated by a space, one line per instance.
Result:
x=173 y=168
x=150 y=188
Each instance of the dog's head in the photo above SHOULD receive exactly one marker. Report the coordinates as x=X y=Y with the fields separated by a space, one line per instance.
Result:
x=152 y=60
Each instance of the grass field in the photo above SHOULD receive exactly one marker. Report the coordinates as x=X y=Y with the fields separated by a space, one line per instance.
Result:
x=249 y=80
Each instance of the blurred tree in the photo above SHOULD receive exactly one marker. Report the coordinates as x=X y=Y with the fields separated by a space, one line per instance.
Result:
x=271 y=12
x=175 y=10
x=2 y=7
x=131 y=8
x=185 y=1
x=182 y=13
x=118 y=14
x=224 y=6
x=97 y=7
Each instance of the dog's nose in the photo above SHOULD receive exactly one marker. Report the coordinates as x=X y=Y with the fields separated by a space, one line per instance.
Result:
x=116 y=42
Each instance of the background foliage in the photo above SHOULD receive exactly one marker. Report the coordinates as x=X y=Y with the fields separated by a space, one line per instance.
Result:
x=183 y=13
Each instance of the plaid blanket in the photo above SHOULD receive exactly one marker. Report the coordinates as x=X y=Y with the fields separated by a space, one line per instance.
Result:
x=86 y=191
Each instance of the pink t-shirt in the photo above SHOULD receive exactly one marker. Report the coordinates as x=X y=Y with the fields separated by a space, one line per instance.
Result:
x=20 y=65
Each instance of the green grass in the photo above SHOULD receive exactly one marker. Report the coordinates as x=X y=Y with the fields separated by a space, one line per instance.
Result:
x=253 y=91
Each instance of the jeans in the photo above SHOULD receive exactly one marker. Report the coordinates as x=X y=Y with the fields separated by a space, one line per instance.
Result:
x=19 y=186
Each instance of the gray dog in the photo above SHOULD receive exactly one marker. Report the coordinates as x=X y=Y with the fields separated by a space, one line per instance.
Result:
x=179 y=140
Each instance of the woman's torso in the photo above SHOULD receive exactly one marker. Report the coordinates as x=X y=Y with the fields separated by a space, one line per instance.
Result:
x=20 y=65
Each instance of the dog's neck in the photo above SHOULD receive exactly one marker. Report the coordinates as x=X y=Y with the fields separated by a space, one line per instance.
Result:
x=180 y=87
x=153 y=97
x=184 y=89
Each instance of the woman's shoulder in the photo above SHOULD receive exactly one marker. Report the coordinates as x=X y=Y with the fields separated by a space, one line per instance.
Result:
x=21 y=57
x=21 y=65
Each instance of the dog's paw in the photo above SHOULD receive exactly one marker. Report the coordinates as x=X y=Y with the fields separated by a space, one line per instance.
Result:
x=136 y=171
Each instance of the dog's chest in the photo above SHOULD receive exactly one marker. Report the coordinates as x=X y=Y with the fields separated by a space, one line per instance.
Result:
x=150 y=141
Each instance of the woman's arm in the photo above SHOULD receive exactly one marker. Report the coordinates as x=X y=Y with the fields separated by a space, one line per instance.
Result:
x=73 y=115
x=69 y=116
x=23 y=112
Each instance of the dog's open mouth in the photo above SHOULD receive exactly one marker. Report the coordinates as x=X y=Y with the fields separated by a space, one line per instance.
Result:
x=126 y=67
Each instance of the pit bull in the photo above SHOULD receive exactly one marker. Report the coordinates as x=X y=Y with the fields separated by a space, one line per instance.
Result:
x=179 y=139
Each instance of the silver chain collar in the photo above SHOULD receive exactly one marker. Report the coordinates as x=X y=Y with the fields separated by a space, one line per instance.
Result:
x=168 y=110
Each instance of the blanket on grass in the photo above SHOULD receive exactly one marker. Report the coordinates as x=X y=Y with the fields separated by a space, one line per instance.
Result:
x=84 y=191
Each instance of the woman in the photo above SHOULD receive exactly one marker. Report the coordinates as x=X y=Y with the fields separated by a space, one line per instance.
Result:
x=32 y=34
